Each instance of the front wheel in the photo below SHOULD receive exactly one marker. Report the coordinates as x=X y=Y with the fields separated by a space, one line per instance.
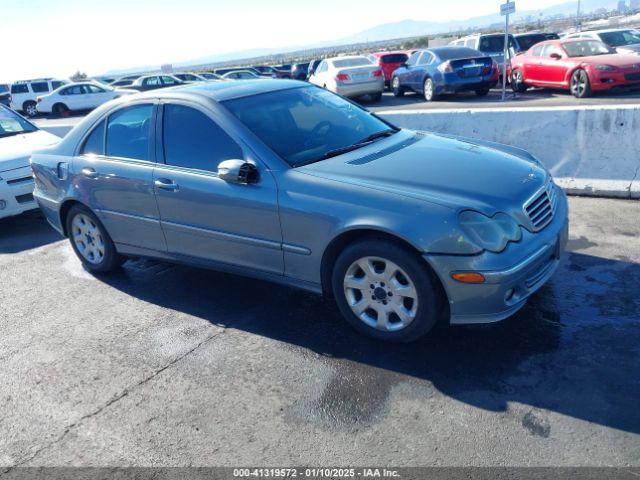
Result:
x=429 y=90
x=60 y=109
x=386 y=291
x=517 y=82
x=91 y=242
x=580 y=86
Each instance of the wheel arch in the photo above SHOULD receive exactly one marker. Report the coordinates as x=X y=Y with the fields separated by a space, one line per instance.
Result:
x=348 y=237
x=64 y=211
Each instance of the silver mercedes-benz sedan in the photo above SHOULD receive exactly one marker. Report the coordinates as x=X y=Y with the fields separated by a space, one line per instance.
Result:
x=285 y=181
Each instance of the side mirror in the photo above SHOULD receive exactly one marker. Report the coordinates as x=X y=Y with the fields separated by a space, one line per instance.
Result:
x=556 y=56
x=238 y=171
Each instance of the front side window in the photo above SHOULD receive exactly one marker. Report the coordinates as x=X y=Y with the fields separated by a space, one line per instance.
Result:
x=413 y=58
x=537 y=50
x=425 y=59
x=192 y=140
x=94 y=144
x=307 y=124
x=128 y=132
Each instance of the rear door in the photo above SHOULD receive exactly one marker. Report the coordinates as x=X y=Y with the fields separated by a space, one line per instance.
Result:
x=202 y=215
x=114 y=176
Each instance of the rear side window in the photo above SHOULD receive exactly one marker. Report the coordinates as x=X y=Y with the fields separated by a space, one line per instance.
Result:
x=536 y=51
x=39 y=87
x=19 y=88
x=128 y=133
x=94 y=144
x=193 y=140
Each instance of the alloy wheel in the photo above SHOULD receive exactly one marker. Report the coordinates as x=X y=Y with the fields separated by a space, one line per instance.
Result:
x=380 y=294
x=88 y=239
x=579 y=83
x=428 y=89
x=31 y=110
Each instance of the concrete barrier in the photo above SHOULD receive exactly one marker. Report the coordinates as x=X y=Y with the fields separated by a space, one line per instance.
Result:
x=589 y=150
x=593 y=150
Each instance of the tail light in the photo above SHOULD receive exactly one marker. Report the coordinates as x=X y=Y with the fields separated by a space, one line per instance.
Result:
x=487 y=70
x=342 y=77
x=376 y=73
x=445 y=67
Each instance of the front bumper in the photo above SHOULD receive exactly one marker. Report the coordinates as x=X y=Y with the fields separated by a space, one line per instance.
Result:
x=512 y=275
x=602 y=80
x=16 y=192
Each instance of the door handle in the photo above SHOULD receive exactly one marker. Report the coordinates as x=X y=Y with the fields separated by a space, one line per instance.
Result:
x=166 y=184
x=89 y=172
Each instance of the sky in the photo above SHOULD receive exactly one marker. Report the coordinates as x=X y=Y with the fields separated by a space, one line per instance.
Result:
x=59 y=37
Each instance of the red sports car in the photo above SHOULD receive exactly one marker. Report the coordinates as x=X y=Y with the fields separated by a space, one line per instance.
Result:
x=388 y=62
x=579 y=65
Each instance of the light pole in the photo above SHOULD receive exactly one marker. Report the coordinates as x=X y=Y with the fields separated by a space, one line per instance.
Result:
x=578 y=23
x=506 y=53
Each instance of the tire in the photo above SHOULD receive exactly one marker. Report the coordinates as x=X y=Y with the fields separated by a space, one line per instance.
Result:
x=482 y=92
x=376 y=97
x=30 y=108
x=60 y=109
x=579 y=85
x=91 y=242
x=396 y=88
x=517 y=82
x=420 y=308
x=429 y=90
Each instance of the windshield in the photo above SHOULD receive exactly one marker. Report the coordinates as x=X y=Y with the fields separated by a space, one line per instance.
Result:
x=307 y=124
x=619 y=39
x=12 y=124
x=586 y=48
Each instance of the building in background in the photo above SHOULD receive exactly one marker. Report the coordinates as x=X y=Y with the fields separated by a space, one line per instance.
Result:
x=634 y=5
x=622 y=6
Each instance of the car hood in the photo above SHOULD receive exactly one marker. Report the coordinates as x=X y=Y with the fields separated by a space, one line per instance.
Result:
x=16 y=150
x=632 y=49
x=453 y=172
x=614 y=59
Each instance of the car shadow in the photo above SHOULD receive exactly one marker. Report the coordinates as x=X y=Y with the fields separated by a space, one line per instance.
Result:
x=26 y=231
x=572 y=349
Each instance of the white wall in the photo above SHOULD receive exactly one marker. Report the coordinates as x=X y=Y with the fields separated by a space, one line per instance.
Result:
x=589 y=150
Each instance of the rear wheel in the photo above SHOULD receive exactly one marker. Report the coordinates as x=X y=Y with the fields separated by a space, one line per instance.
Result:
x=91 y=242
x=580 y=86
x=517 y=82
x=429 y=90
x=396 y=88
x=60 y=109
x=386 y=291
x=29 y=108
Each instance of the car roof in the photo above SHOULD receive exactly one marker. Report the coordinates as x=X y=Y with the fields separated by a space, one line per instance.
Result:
x=221 y=91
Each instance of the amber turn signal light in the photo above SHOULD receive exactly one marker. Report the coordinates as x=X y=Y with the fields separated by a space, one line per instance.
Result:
x=468 y=277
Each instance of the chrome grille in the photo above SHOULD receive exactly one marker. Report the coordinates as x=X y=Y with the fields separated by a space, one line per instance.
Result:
x=541 y=207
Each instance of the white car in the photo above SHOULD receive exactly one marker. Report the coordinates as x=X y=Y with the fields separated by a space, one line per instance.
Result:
x=78 y=96
x=24 y=93
x=18 y=138
x=624 y=40
x=240 y=75
x=353 y=76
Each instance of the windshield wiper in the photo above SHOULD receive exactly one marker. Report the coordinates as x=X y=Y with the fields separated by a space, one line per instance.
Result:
x=361 y=143
x=9 y=134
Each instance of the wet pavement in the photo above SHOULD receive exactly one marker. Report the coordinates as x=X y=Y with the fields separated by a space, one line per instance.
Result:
x=169 y=365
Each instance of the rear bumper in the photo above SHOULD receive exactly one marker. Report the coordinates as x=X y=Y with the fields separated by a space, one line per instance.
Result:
x=51 y=210
x=512 y=276
x=465 y=86
x=359 y=89
x=16 y=192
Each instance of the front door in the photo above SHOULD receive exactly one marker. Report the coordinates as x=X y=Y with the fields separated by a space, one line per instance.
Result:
x=202 y=215
x=114 y=176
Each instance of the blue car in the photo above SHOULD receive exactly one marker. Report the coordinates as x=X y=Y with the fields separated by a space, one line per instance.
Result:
x=434 y=71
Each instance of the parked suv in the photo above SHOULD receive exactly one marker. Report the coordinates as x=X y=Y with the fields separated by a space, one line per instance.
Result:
x=25 y=92
x=491 y=44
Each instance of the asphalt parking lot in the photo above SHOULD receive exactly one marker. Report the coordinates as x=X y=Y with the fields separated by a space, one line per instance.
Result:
x=168 y=365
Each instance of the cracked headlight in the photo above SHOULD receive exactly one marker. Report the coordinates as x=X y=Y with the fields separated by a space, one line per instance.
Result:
x=490 y=233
